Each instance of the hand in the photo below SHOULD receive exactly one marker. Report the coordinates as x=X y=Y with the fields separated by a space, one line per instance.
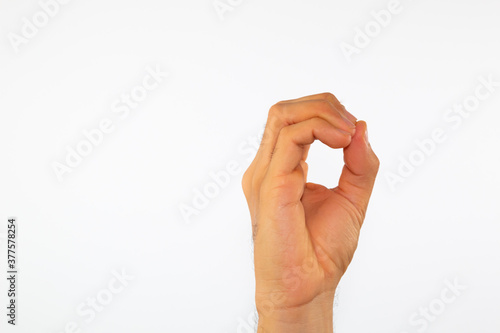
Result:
x=305 y=234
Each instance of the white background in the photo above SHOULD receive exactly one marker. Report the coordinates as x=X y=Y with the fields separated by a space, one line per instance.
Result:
x=119 y=209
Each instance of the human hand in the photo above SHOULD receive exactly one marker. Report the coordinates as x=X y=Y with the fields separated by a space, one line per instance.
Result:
x=305 y=234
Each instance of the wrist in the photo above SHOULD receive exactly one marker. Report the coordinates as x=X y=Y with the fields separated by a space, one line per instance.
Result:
x=314 y=316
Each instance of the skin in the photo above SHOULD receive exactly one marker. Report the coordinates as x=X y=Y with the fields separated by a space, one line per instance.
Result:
x=305 y=234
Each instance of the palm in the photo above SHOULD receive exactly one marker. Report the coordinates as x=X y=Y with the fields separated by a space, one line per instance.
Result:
x=332 y=224
x=326 y=243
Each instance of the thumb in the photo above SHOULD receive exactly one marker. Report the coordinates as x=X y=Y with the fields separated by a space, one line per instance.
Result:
x=360 y=169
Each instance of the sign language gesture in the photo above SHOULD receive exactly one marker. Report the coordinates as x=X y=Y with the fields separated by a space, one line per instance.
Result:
x=305 y=234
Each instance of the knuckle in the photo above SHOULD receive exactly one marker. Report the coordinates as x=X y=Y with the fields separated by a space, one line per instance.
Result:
x=246 y=181
x=285 y=133
x=375 y=161
x=276 y=110
x=276 y=116
x=327 y=96
x=318 y=122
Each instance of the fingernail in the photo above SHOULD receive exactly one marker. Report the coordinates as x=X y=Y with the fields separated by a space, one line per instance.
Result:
x=366 y=136
x=349 y=123
x=349 y=115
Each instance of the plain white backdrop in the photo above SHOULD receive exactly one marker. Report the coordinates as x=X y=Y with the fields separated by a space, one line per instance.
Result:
x=157 y=201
